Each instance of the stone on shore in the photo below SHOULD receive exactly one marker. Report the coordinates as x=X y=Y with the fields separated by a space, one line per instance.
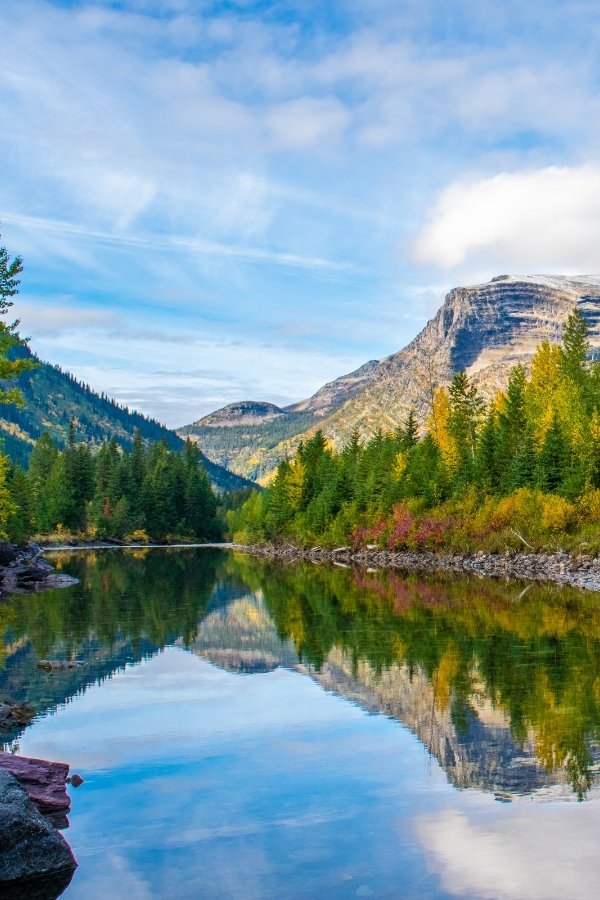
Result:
x=30 y=847
x=22 y=569
x=45 y=782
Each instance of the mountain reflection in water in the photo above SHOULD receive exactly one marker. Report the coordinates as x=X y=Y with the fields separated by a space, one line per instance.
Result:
x=501 y=682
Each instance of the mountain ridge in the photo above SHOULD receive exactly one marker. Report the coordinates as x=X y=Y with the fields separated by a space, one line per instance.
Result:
x=242 y=433
x=485 y=329
x=53 y=399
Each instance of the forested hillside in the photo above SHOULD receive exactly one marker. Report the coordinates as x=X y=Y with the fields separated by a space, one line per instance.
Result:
x=54 y=401
x=521 y=471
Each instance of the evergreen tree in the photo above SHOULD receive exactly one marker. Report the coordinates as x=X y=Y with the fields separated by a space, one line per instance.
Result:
x=466 y=409
x=488 y=459
x=41 y=463
x=21 y=519
x=574 y=348
x=409 y=433
x=62 y=509
x=551 y=460
x=9 y=338
x=522 y=467
x=199 y=500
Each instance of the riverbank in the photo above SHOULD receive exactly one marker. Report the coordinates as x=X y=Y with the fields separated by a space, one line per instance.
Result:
x=131 y=545
x=23 y=570
x=577 y=570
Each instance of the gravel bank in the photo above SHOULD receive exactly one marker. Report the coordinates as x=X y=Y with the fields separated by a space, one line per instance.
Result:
x=577 y=570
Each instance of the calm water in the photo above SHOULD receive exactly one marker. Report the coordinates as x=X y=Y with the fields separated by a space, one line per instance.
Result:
x=247 y=730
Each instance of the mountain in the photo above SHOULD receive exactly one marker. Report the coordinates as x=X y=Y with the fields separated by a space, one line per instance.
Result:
x=241 y=435
x=53 y=399
x=485 y=329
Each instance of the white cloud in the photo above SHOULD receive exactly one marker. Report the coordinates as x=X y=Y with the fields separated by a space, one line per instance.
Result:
x=545 y=853
x=545 y=220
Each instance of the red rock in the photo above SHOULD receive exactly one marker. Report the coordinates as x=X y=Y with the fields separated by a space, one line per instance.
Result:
x=44 y=781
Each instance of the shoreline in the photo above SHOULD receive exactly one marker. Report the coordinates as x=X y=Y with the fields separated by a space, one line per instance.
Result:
x=123 y=545
x=563 y=568
x=575 y=570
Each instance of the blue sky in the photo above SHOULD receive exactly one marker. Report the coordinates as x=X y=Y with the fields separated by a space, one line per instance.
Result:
x=239 y=200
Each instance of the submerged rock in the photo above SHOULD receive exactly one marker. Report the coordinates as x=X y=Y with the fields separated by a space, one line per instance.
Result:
x=12 y=714
x=30 y=847
x=58 y=665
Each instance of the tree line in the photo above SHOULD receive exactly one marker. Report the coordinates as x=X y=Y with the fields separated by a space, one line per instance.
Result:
x=148 y=491
x=514 y=471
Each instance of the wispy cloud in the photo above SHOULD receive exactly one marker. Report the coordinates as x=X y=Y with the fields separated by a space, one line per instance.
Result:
x=282 y=169
x=164 y=242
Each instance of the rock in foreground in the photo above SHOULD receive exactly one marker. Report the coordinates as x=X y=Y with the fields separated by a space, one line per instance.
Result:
x=35 y=860
x=45 y=782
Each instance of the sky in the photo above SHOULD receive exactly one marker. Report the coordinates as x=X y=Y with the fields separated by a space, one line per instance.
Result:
x=218 y=201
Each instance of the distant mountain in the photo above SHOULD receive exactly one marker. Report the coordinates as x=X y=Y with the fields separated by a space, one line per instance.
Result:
x=54 y=399
x=485 y=329
x=241 y=435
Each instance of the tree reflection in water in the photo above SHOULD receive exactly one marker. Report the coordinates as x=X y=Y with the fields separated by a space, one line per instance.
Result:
x=500 y=681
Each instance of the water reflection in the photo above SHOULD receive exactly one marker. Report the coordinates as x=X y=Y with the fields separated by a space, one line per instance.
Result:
x=501 y=682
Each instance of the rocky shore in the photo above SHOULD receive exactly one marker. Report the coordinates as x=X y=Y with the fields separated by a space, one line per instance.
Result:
x=23 y=570
x=577 y=570
x=35 y=859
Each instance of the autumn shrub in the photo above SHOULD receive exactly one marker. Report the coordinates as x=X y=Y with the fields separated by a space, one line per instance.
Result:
x=589 y=507
x=369 y=535
x=139 y=536
x=400 y=527
x=430 y=532
x=519 y=510
x=556 y=514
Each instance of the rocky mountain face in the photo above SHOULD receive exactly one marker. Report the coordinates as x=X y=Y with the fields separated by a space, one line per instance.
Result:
x=335 y=393
x=241 y=435
x=247 y=412
x=485 y=329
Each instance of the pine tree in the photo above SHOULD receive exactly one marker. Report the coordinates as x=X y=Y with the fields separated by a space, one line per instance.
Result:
x=20 y=521
x=409 y=433
x=199 y=500
x=551 y=460
x=466 y=409
x=41 y=462
x=487 y=458
x=522 y=467
x=574 y=348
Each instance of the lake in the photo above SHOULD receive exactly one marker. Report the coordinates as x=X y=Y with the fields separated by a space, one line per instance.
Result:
x=252 y=730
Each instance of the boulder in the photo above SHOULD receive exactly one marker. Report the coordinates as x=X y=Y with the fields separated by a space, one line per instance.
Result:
x=45 y=782
x=22 y=569
x=30 y=847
